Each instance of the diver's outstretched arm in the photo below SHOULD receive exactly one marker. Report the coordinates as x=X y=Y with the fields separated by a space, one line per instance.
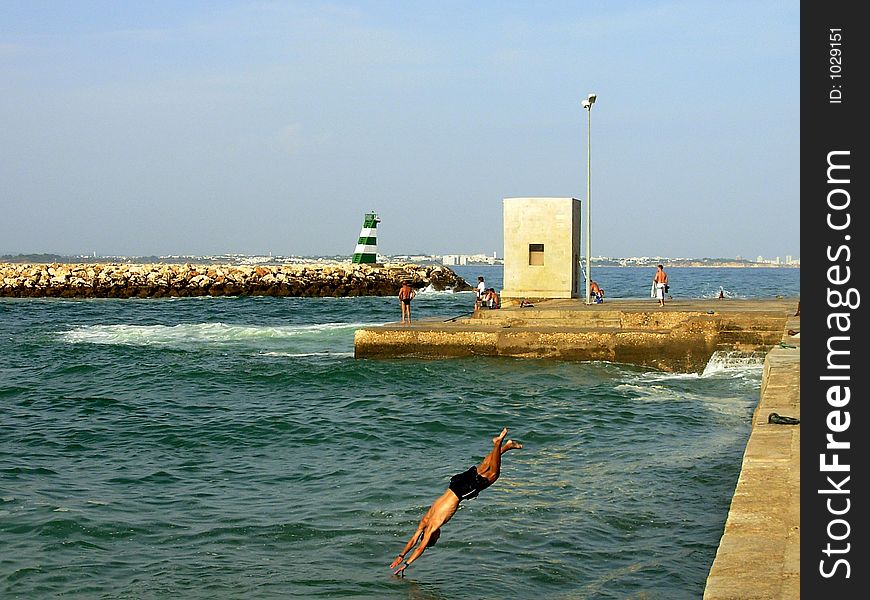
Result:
x=400 y=557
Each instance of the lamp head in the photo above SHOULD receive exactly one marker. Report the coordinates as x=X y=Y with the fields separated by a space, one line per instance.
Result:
x=588 y=102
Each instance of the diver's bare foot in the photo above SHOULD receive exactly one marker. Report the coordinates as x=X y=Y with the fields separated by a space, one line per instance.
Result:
x=497 y=439
x=511 y=445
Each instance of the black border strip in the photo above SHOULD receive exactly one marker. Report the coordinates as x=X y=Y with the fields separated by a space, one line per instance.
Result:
x=833 y=110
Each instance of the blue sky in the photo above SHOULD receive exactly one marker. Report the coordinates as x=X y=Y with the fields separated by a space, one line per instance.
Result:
x=139 y=128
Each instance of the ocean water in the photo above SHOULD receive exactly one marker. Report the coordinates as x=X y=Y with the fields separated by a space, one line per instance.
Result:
x=234 y=448
x=685 y=282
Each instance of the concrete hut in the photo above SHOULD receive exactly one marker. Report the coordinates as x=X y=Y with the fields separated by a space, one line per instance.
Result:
x=541 y=249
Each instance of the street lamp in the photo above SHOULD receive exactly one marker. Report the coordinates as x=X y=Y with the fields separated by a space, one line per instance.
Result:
x=587 y=104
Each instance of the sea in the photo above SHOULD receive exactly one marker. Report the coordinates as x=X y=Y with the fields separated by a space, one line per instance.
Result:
x=233 y=447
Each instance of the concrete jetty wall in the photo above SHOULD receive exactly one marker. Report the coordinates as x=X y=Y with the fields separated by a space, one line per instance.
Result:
x=168 y=280
x=678 y=338
x=759 y=553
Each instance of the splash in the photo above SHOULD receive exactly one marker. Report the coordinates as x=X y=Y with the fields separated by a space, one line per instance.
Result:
x=731 y=360
x=430 y=290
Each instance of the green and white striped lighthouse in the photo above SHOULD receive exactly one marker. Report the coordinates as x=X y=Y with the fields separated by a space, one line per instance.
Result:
x=367 y=246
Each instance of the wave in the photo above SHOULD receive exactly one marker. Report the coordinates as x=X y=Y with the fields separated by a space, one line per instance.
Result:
x=721 y=362
x=727 y=294
x=722 y=366
x=308 y=354
x=732 y=360
x=429 y=290
x=204 y=334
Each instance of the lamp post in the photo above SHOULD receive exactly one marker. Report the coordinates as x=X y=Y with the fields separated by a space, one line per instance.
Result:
x=587 y=104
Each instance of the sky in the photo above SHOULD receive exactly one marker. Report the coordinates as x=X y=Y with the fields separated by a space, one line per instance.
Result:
x=254 y=127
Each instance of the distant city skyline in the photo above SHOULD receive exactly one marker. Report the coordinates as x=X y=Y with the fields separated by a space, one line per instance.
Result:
x=451 y=259
x=237 y=127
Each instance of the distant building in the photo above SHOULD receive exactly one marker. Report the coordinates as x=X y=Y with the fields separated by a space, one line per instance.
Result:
x=467 y=259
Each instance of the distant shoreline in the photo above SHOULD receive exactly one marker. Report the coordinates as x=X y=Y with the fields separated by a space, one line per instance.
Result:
x=703 y=266
x=665 y=262
x=289 y=261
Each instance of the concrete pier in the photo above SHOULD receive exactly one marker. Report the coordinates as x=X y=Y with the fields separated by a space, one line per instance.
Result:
x=679 y=337
x=759 y=553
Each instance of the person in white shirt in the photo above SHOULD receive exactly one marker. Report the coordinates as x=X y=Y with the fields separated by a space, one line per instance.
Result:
x=481 y=292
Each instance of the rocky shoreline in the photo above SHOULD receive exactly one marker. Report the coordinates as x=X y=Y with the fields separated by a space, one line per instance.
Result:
x=161 y=280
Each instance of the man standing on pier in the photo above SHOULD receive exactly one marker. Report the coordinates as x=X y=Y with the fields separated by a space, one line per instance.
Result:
x=661 y=282
x=406 y=294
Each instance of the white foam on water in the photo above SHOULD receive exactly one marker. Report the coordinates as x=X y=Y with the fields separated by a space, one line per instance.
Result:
x=728 y=294
x=429 y=290
x=653 y=392
x=730 y=361
x=305 y=354
x=657 y=385
x=187 y=334
x=645 y=393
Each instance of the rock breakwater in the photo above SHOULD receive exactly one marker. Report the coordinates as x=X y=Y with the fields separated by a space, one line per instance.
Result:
x=178 y=280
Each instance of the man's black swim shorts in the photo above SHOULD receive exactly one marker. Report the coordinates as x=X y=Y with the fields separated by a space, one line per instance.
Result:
x=468 y=484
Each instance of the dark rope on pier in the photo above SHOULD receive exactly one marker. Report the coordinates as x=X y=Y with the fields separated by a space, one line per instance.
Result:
x=457 y=316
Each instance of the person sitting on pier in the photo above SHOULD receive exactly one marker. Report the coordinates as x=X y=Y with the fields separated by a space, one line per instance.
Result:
x=463 y=486
x=480 y=292
x=492 y=299
x=597 y=292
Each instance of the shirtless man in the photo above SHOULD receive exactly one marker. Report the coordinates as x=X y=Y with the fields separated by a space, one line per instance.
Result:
x=661 y=280
x=463 y=486
x=406 y=294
